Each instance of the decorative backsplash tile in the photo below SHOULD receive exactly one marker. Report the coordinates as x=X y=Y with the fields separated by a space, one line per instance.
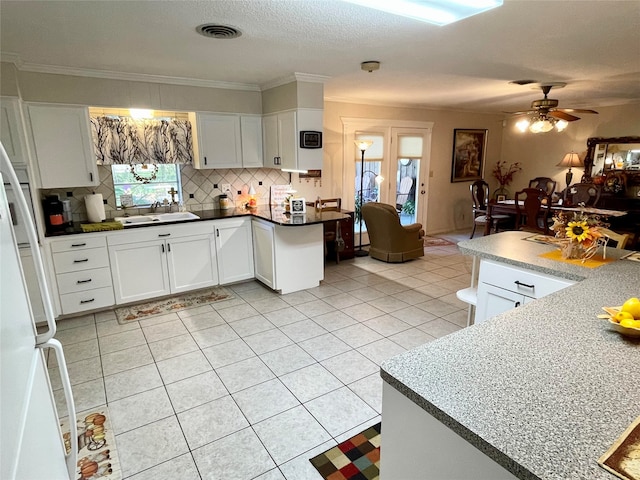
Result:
x=199 y=183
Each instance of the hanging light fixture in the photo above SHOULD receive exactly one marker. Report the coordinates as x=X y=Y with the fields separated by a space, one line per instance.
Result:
x=541 y=124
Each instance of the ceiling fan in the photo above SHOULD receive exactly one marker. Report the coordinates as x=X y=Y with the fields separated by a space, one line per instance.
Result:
x=547 y=115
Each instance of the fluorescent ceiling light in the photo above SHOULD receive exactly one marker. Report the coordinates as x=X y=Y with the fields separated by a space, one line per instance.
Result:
x=439 y=12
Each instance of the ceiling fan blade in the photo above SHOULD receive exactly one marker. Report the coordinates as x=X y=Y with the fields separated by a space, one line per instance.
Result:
x=563 y=116
x=528 y=112
x=576 y=110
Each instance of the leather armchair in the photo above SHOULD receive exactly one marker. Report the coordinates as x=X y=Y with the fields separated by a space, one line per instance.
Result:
x=390 y=241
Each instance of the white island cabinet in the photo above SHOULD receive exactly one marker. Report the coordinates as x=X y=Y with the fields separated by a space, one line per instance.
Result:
x=288 y=258
x=234 y=247
x=160 y=261
x=502 y=287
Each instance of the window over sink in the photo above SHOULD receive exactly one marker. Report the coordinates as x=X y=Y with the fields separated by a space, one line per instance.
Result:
x=144 y=184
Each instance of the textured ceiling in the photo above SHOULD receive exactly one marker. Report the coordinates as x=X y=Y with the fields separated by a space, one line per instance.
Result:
x=593 y=46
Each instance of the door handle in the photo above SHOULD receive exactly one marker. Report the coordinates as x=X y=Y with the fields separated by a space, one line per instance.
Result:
x=81 y=261
x=83 y=281
x=87 y=301
x=78 y=244
x=164 y=235
x=517 y=304
x=168 y=247
x=520 y=284
x=205 y=160
x=162 y=246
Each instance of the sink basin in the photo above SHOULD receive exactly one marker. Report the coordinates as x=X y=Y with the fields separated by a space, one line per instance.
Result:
x=159 y=218
x=175 y=216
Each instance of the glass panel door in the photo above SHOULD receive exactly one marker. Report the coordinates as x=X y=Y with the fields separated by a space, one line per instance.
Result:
x=410 y=186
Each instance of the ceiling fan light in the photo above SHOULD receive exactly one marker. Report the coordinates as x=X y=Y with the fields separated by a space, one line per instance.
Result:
x=522 y=125
x=561 y=125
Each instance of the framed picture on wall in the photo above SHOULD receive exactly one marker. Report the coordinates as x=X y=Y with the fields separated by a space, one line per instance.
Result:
x=469 y=147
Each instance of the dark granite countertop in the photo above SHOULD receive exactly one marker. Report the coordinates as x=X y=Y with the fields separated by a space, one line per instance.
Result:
x=544 y=389
x=275 y=215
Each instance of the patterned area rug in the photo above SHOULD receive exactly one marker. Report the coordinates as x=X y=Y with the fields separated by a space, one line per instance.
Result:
x=436 y=242
x=168 y=305
x=355 y=459
x=97 y=456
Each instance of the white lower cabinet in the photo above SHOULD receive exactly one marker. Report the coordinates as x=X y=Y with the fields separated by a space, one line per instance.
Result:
x=162 y=260
x=502 y=287
x=264 y=252
x=288 y=259
x=83 y=278
x=234 y=248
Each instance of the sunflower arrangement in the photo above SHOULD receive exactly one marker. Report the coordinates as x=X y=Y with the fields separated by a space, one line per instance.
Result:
x=578 y=234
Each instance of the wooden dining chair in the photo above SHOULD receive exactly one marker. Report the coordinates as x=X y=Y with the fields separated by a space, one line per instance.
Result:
x=480 y=197
x=621 y=239
x=543 y=183
x=332 y=234
x=582 y=193
x=532 y=214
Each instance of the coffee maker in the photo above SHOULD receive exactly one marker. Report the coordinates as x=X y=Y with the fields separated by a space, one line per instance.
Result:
x=53 y=214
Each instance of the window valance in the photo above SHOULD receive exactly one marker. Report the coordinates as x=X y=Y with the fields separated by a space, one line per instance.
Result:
x=125 y=140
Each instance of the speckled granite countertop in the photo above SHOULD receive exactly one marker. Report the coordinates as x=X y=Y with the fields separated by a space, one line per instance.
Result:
x=544 y=389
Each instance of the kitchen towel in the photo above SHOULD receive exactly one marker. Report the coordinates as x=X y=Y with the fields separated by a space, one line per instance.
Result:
x=95 y=207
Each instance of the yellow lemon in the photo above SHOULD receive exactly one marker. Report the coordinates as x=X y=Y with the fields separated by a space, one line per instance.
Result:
x=632 y=306
x=620 y=316
x=628 y=323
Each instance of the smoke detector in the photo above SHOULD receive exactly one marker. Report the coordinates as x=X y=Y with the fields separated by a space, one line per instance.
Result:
x=370 y=66
x=223 y=32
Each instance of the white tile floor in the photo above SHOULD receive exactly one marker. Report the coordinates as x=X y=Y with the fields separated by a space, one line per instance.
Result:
x=254 y=386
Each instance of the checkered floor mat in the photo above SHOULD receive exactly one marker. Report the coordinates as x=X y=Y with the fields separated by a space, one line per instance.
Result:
x=355 y=459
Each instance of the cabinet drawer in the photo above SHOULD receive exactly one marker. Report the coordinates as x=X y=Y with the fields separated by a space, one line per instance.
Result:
x=525 y=282
x=78 y=242
x=146 y=234
x=88 y=300
x=91 y=258
x=84 y=280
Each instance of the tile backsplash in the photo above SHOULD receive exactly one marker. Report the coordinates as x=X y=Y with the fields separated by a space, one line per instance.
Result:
x=199 y=183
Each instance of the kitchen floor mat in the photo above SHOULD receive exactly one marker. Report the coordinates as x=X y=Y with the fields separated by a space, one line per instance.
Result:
x=97 y=456
x=355 y=458
x=172 y=304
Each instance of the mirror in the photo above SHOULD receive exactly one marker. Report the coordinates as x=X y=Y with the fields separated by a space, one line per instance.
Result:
x=607 y=155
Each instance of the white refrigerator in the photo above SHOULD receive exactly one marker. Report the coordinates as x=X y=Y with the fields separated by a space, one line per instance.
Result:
x=31 y=443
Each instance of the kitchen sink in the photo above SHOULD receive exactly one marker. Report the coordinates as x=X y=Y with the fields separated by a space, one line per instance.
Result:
x=159 y=218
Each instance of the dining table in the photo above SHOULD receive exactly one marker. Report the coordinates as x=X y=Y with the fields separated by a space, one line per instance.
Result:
x=508 y=207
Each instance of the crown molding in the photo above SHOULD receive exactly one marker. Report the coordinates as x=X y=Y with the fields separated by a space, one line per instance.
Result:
x=11 y=58
x=294 y=77
x=135 y=77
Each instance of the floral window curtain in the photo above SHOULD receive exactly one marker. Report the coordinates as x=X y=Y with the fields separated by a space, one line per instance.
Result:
x=124 y=140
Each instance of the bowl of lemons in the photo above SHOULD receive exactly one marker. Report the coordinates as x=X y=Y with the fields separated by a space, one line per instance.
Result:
x=625 y=318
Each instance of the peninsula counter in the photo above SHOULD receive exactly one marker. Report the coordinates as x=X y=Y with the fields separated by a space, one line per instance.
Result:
x=539 y=392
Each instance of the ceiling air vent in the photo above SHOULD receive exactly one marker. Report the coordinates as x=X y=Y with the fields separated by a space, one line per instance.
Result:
x=218 y=31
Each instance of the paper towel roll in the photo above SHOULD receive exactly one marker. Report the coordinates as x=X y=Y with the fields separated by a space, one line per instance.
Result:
x=95 y=207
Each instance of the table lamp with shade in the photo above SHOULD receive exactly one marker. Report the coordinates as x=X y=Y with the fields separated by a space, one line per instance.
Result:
x=570 y=160
x=362 y=146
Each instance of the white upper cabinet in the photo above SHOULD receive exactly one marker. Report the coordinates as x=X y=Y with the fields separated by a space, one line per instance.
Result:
x=63 y=147
x=251 y=132
x=217 y=141
x=12 y=131
x=227 y=140
x=281 y=137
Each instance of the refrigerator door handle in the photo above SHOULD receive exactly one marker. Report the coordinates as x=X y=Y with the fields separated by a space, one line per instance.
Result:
x=72 y=457
x=23 y=208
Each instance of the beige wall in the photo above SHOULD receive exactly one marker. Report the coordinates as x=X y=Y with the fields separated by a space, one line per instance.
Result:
x=540 y=153
x=8 y=80
x=449 y=207
x=101 y=92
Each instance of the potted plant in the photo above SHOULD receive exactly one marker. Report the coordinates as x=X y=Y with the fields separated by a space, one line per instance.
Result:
x=504 y=176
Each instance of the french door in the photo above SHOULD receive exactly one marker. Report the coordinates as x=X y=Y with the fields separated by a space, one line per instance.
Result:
x=395 y=168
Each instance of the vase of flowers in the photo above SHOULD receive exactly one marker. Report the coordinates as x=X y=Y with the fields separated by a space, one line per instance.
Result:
x=578 y=234
x=504 y=176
